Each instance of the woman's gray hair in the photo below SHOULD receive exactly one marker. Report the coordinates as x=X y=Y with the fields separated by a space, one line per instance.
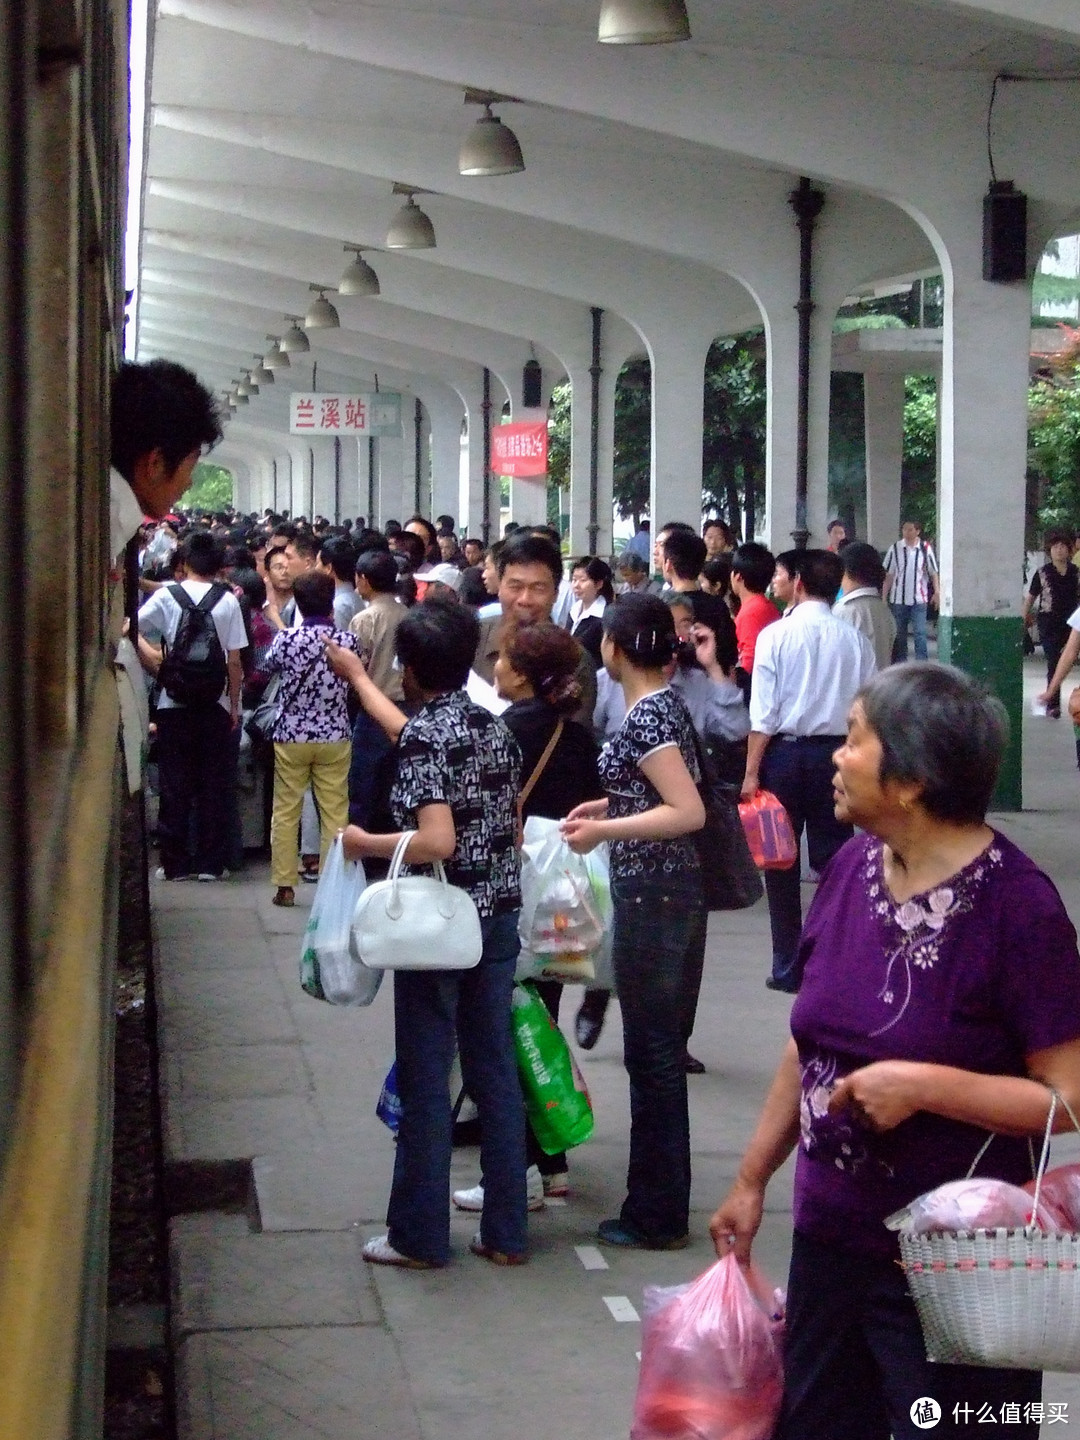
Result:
x=942 y=730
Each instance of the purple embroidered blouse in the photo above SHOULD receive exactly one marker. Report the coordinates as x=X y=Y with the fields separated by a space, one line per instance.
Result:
x=977 y=973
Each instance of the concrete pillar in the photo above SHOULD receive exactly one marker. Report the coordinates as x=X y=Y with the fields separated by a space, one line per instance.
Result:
x=446 y=459
x=473 y=507
x=408 y=505
x=528 y=493
x=349 y=488
x=983 y=452
x=241 y=495
x=391 y=470
x=678 y=383
x=580 y=459
x=883 y=407
x=781 y=427
x=817 y=489
x=323 y=477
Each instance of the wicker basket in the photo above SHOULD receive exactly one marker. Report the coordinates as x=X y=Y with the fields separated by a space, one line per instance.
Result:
x=1008 y=1298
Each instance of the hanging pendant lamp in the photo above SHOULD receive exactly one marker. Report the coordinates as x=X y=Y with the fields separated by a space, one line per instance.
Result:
x=491 y=148
x=410 y=228
x=643 y=22
x=275 y=358
x=321 y=314
x=262 y=373
x=244 y=388
x=294 y=338
x=359 y=278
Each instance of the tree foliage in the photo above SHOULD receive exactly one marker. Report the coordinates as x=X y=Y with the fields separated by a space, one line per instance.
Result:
x=211 y=488
x=1054 y=435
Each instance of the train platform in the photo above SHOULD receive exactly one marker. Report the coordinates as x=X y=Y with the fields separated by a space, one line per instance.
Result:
x=281 y=1332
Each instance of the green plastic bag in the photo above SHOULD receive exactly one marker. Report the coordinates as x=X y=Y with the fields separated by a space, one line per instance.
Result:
x=556 y=1099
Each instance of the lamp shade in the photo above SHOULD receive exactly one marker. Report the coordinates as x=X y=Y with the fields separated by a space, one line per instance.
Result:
x=275 y=358
x=240 y=397
x=262 y=373
x=251 y=383
x=643 y=22
x=359 y=278
x=491 y=148
x=294 y=339
x=410 y=229
x=244 y=388
x=321 y=315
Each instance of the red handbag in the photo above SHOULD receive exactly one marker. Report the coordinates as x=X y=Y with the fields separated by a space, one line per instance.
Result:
x=768 y=832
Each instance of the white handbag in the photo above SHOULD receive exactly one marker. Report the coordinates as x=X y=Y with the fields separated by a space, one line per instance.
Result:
x=415 y=922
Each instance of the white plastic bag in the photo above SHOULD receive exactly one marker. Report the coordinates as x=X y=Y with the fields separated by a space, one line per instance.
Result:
x=565 y=914
x=328 y=970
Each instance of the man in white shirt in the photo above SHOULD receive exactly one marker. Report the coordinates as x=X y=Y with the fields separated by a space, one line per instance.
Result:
x=912 y=582
x=807 y=671
x=195 y=743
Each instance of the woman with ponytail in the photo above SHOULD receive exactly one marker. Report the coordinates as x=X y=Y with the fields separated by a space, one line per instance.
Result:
x=650 y=772
x=537 y=672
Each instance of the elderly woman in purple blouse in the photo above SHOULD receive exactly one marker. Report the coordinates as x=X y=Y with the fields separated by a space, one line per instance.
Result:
x=941 y=998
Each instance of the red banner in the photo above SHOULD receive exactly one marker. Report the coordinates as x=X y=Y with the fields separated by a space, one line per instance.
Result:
x=520 y=449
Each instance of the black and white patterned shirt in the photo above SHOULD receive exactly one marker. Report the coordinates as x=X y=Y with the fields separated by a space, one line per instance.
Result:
x=911 y=567
x=652 y=723
x=454 y=753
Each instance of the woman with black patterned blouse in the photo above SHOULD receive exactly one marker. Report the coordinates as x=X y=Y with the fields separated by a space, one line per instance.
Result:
x=650 y=772
x=456 y=784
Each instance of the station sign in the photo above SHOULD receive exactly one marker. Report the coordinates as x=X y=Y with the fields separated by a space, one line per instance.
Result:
x=323 y=414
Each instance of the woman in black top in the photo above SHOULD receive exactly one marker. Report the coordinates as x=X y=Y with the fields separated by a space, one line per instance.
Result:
x=1053 y=595
x=536 y=671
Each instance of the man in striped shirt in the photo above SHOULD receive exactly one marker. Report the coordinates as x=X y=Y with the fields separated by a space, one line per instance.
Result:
x=911 y=582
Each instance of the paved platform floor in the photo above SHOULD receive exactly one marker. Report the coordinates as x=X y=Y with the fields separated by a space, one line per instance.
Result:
x=280 y=1329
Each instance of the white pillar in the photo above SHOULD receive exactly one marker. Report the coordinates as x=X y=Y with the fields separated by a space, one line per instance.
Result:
x=781 y=426
x=817 y=479
x=678 y=384
x=349 y=489
x=408 y=460
x=389 y=457
x=580 y=459
x=446 y=460
x=322 y=490
x=883 y=405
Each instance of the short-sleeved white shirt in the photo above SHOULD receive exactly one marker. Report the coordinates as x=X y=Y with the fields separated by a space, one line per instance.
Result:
x=159 y=619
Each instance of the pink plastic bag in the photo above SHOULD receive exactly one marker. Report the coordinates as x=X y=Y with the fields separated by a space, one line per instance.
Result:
x=710 y=1359
x=973 y=1204
x=768 y=832
x=1060 y=1196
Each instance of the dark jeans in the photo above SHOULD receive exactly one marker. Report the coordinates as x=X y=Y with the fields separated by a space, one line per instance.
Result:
x=855 y=1363
x=800 y=774
x=656 y=934
x=194 y=759
x=370 y=746
x=434 y=1011
x=1052 y=637
x=915 y=616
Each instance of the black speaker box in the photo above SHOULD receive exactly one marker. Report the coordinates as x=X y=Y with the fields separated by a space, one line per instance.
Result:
x=1004 y=233
x=532 y=382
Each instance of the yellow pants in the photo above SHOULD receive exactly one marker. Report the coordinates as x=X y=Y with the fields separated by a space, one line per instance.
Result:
x=324 y=766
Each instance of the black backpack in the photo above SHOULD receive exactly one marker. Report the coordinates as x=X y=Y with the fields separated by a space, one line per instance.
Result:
x=194 y=670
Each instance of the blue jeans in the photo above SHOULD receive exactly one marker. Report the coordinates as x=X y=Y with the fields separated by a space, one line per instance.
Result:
x=658 y=932
x=855 y=1362
x=434 y=1011
x=800 y=774
x=370 y=747
x=915 y=615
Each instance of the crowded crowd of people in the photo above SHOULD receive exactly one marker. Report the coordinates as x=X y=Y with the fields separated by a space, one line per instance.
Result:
x=406 y=682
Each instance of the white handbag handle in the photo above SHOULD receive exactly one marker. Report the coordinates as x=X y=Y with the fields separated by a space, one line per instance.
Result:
x=394 y=907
